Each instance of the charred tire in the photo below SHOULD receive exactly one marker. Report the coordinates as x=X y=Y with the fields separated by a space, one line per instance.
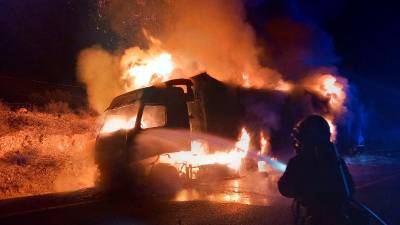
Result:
x=164 y=179
x=112 y=161
x=115 y=178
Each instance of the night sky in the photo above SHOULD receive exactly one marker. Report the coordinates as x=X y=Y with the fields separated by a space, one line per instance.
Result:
x=41 y=39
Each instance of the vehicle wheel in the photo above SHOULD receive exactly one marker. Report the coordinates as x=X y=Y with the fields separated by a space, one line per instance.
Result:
x=113 y=178
x=164 y=179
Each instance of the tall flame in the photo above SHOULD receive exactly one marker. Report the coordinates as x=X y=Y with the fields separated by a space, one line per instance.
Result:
x=333 y=89
x=145 y=68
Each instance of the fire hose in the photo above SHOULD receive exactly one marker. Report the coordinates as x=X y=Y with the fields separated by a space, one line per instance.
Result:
x=360 y=205
x=369 y=211
x=281 y=167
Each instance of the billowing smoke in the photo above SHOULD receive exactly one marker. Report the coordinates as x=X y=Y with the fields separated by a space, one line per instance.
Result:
x=213 y=36
x=100 y=71
x=293 y=42
x=157 y=40
x=201 y=36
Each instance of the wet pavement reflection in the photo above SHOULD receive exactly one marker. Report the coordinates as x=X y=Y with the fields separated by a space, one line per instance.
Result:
x=251 y=189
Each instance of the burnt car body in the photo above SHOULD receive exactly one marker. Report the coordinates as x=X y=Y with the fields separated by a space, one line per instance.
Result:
x=190 y=104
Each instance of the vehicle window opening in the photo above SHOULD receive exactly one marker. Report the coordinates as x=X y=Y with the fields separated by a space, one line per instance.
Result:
x=153 y=116
x=122 y=118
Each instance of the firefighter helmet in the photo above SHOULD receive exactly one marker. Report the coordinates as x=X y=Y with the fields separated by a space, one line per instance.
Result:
x=310 y=131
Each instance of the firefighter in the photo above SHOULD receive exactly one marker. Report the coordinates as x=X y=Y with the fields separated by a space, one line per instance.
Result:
x=314 y=177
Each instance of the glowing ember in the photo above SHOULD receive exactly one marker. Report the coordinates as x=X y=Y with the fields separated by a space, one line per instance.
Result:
x=199 y=155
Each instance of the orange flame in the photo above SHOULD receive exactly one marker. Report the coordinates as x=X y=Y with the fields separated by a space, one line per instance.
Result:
x=145 y=68
x=246 y=82
x=334 y=90
x=264 y=143
x=199 y=155
x=142 y=68
x=265 y=149
x=117 y=123
x=331 y=88
x=332 y=128
x=244 y=141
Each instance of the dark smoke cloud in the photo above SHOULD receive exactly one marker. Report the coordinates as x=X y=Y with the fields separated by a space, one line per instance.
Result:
x=294 y=43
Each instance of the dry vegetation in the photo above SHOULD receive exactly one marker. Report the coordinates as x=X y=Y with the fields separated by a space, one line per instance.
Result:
x=48 y=151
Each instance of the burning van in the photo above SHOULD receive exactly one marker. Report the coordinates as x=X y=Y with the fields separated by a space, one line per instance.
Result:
x=201 y=104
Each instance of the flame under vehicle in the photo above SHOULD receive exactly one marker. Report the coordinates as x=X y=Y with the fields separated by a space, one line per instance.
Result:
x=200 y=104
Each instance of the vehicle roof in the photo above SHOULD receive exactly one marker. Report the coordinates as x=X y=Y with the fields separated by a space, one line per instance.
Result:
x=152 y=93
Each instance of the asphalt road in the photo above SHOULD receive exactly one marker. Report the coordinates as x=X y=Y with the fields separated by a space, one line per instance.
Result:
x=252 y=199
x=139 y=212
x=230 y=201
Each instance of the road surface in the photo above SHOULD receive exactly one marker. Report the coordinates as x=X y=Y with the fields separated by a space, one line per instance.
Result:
x=251 y=199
